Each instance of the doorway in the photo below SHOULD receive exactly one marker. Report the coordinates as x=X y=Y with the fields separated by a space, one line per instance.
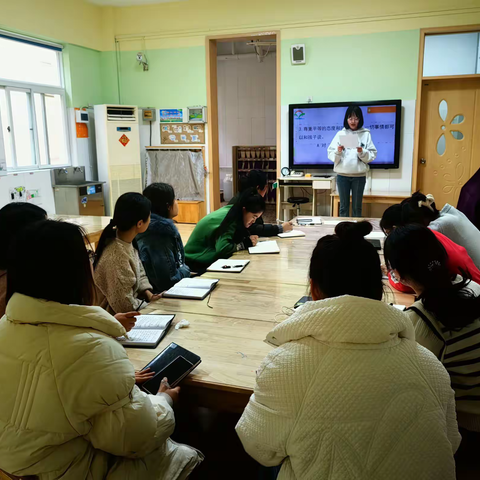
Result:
x=449 y=137
x=243 y=99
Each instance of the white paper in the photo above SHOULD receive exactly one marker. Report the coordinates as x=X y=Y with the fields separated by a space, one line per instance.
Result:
x=270 y=246
x=377 y=235
x=400 y=307
x=292 y=234
x=142 y=336
x=238 y=264
x=348 y=141
x=152 y=321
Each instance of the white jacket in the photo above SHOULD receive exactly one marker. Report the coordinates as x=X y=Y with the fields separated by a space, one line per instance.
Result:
x=349 y=162
x=350 y=395
x=69 y=407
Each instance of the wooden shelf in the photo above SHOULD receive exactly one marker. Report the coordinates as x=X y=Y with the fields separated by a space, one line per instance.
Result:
x=248 y=169
x=254 y=162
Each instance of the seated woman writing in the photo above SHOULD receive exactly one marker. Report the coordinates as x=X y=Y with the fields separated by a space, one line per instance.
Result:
x=257 y=180
x=69 y=405
x=224 y=232
x=348 y=393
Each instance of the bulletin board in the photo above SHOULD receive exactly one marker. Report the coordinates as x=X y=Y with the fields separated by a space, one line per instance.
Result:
x=182 y=134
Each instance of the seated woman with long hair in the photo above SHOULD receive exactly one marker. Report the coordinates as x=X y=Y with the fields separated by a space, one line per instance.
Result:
x=160 y=246
x=420 y=209
x=120 y=277
x=69 y=407
x=458 y=259
x=348 y=393
x=224 y=232
x=446 y=315
x=258 y=180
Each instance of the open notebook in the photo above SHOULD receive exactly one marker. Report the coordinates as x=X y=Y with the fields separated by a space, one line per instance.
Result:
x=193 y=288
x=270 y=246
x=228 y=266
x=292 y=234
x=148 y=331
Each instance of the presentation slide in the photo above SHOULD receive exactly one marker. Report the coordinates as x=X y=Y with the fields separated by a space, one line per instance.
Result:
x=315 y=128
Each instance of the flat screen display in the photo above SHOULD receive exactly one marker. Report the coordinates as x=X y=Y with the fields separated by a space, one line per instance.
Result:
x=314 y=126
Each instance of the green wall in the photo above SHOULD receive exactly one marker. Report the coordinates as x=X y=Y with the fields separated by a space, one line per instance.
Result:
x=83 y=78
x=176 y=78
x=353 y=67
x=359 y=67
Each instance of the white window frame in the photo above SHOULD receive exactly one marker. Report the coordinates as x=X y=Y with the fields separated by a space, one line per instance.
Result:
x=33 y=88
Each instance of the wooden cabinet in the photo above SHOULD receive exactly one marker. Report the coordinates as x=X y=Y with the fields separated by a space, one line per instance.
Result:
x=190 y=211
x=256 y=158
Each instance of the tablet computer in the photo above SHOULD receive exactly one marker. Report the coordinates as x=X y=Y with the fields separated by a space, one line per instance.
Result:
x=174 y=363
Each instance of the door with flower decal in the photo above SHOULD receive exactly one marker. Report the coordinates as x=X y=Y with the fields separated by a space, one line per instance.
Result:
x=449 y=147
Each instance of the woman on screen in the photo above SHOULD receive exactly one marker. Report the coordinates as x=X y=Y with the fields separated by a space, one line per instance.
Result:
x=351 y=164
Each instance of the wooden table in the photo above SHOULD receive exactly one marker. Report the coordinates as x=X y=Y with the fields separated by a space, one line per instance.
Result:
x=229 y=337
x=386 y=198
x=93 y=226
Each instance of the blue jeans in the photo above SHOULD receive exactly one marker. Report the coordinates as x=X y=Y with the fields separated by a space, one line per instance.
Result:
x=357 y=186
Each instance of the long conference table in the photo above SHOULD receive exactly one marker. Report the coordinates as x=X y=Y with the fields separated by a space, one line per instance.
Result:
x=229 y=333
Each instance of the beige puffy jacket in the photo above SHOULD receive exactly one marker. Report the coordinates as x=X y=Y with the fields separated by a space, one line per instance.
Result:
x=69 y=407
x=348 y=395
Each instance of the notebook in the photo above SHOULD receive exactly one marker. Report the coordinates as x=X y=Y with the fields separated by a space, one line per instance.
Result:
x=174 y=363
x=228 y=266
x=270 y=246
x=292 y=234
x=192 y=288
x=148 y=331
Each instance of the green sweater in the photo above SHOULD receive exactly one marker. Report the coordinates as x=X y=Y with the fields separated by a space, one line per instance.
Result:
x=202 y=246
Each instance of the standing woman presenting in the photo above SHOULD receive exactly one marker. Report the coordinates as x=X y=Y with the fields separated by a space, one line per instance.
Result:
x=351 y=164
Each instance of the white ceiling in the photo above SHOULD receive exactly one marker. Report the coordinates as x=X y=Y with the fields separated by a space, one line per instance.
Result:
x=130 y=3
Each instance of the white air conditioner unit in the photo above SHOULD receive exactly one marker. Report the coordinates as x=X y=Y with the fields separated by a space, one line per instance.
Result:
x=118 y=151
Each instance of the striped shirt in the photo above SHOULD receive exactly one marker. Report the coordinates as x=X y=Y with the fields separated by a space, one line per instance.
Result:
x=459 y=351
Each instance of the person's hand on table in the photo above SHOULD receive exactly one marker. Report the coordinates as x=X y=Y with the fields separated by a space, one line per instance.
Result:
x=173 y=393
x=340 y=148
x=127 y=319
x=287 y=227
x=359 y=149
x=254 y=239
x=152 y=297
x=143 y=376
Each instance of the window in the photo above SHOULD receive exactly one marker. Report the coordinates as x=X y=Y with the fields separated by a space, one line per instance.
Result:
x=33 y=115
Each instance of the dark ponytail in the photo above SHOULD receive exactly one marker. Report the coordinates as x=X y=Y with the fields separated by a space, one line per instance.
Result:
x=129 y=210
x=419 y=209
x=417 y=255
x=255 y=179
x=252 y=202
x=347 y=264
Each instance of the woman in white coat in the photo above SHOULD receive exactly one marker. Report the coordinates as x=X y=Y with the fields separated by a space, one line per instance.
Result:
x=69 y=407
x=348 y=393
x=351 y=164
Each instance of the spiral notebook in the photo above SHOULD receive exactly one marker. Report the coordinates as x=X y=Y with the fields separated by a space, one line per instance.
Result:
x=148 y=331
